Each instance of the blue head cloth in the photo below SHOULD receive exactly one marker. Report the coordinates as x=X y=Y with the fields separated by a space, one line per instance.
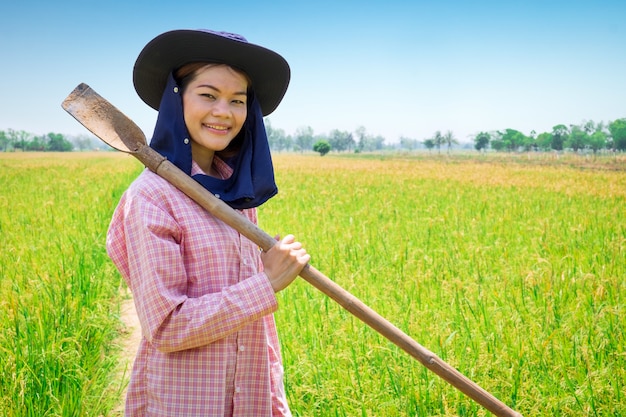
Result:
x=252 y=181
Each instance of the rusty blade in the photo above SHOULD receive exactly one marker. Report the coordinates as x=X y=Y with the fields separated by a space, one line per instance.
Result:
x=104 y=120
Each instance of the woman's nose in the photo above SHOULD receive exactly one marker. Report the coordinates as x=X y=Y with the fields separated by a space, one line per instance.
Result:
x=220 y=108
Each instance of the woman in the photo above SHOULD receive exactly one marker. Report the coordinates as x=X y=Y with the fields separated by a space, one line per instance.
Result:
x=204 y=294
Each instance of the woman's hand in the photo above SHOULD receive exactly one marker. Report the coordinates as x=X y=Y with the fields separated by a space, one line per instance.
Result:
x=284 y=261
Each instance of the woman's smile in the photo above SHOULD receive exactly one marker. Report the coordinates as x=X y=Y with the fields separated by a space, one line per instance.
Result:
x=218 y=129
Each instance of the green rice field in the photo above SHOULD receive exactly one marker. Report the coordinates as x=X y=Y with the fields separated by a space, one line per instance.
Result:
x=511 y=269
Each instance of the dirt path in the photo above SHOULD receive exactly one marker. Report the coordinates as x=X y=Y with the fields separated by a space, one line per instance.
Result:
x=129 y=341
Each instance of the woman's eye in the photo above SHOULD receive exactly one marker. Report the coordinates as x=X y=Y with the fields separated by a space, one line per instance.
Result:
x=239 y=102
x=207 y=95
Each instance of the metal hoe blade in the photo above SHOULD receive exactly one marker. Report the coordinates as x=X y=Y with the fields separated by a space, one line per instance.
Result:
x=104 y=120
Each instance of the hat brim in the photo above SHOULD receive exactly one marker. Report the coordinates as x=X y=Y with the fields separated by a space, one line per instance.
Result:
x=269 y=72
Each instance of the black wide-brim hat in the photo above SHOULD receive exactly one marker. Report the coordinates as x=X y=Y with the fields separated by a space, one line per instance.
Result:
x=167 y=52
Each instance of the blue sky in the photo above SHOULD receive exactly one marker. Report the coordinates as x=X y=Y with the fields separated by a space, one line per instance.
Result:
x=395 y=67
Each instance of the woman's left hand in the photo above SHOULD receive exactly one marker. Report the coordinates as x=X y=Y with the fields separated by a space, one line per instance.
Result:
x=284 y=261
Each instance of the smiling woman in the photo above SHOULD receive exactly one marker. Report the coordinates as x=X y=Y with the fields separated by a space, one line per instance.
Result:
x=204 y=294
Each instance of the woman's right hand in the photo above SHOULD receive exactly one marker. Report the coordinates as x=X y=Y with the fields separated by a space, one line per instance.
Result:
x=284 y=261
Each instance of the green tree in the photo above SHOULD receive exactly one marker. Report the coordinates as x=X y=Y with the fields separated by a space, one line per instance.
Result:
x=438 y=140
x=304 y=138
x=618 y=133
x=559 y=136
x=18 y=138
x=366 y=142
x=450 y=139
x=513 y=140
x=529 y=142
x=57 y=143
x=578 y=138
x=341 y=141
x=277 y=138
x=597 y=136
x=321 y=146
x=497 y=144
x=362 y=139
x=597 y=140
x=377 y=142
x=37 y=143
x=4 y=141
x=429 y=144
x=481 y=141
x=408 y=143
x=591 y=127
x=544 y=141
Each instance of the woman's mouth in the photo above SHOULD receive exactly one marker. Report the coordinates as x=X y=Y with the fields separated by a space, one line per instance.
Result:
x=216 y=128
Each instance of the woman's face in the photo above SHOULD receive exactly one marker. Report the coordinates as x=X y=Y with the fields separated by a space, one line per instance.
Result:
x=214 y=108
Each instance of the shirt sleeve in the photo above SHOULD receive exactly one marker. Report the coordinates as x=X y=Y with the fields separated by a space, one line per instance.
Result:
x=151 y=257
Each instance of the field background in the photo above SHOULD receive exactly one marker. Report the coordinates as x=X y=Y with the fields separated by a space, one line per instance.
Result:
x=511 y=269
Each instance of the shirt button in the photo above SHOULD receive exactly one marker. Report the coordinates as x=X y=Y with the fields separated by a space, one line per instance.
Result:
x=237 y=390
x=186 y=141
x=242 y=348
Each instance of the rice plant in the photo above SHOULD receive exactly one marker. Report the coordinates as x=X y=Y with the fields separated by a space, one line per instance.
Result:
x=512 y=273
x=58 y=290
x=511 y=270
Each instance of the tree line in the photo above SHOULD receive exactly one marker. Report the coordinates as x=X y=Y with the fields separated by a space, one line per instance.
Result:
x=588 y=136
x=20 y=140
x=304 y=139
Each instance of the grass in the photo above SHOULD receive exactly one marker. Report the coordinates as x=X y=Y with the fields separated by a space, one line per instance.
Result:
x=510 y=270
x=512 y=273
x=59 y=291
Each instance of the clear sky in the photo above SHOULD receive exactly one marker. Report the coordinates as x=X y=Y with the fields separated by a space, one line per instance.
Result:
x=396 y=67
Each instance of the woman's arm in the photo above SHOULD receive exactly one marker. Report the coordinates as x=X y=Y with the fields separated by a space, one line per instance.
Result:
x=145 y=242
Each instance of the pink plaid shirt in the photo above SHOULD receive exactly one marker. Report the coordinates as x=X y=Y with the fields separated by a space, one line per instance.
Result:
x=209 y=345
